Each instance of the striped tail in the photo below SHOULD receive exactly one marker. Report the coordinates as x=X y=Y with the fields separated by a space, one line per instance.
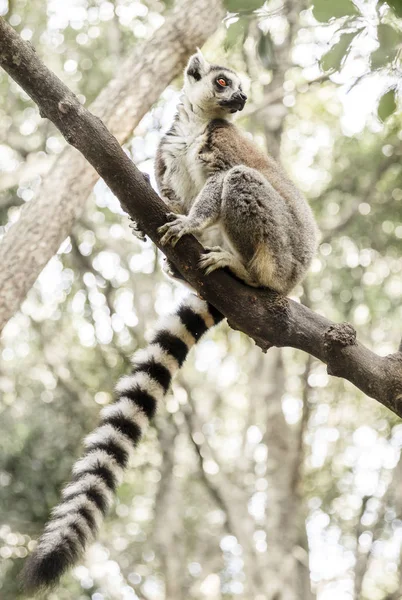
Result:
x=76 y=520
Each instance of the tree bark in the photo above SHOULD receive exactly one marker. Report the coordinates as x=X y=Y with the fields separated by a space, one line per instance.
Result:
x=265 y=316
x=46 y=221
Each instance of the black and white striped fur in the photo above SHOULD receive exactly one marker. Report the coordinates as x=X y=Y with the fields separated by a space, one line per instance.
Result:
x=85 y=501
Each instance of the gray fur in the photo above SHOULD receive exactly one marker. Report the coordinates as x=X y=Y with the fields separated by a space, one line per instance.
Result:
x=227 y=192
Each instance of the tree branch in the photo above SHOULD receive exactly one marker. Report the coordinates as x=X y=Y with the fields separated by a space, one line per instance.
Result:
x=47 y=220
x=262 y=314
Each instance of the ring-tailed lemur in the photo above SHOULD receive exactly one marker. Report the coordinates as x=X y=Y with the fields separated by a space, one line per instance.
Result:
x=228 y=193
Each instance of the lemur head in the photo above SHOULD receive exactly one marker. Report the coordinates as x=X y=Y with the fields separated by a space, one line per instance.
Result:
x=212 y=89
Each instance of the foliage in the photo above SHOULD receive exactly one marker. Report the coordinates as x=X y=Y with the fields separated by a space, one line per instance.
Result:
x=387 y=104
x=325 y=10
x=353 y=25
x=335 y=58
x=243 y=6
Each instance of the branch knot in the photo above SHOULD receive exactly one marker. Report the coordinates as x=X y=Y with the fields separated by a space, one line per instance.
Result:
x=340 y=334
x=64 y=106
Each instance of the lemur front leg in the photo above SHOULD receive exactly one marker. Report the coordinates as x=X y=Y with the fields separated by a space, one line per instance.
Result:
x=203 y=213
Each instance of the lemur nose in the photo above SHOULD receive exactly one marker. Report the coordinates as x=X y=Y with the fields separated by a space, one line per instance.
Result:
x=243 y=96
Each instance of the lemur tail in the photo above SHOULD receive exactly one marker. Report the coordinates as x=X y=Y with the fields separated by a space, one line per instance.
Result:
x=75 y=521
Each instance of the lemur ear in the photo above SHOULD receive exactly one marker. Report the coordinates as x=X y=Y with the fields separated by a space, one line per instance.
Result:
x=197 y=66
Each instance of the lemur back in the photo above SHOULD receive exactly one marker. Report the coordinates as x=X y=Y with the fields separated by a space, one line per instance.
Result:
x=220 y=187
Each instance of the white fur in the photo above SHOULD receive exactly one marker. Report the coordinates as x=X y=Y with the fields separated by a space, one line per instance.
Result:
x=108 y=432
x=200 y=307
x=64 y=522
x=184 y=171
x=174 y=325
x=75 y=504
x=98 y=457
x=129 y=410
x=52 y=539
x=142 y=380
x=156 y=352
x=87 y=482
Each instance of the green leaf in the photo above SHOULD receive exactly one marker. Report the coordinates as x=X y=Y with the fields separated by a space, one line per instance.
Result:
x=324 y=10
x=266 y=51
x=235 y=34
x=387 y=105
x=236 y=6
x=389 y=40
x=334 y=58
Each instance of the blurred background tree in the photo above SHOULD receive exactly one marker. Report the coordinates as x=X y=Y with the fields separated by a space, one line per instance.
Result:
x=263 y=478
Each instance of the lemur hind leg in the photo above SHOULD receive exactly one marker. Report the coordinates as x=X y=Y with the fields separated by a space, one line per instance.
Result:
x=254 y=219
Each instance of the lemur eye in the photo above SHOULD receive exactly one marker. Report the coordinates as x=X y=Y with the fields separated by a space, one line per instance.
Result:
x=222 y=82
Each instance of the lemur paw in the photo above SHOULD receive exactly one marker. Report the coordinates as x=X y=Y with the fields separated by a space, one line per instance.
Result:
x=215 y=258
x=137 y=232
x=177 y=227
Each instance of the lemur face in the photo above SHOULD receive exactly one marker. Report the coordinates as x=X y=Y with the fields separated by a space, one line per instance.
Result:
x=213 y=89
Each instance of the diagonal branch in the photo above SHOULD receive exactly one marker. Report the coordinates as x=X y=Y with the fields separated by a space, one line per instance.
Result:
x=262 y=314
x=47 y=220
